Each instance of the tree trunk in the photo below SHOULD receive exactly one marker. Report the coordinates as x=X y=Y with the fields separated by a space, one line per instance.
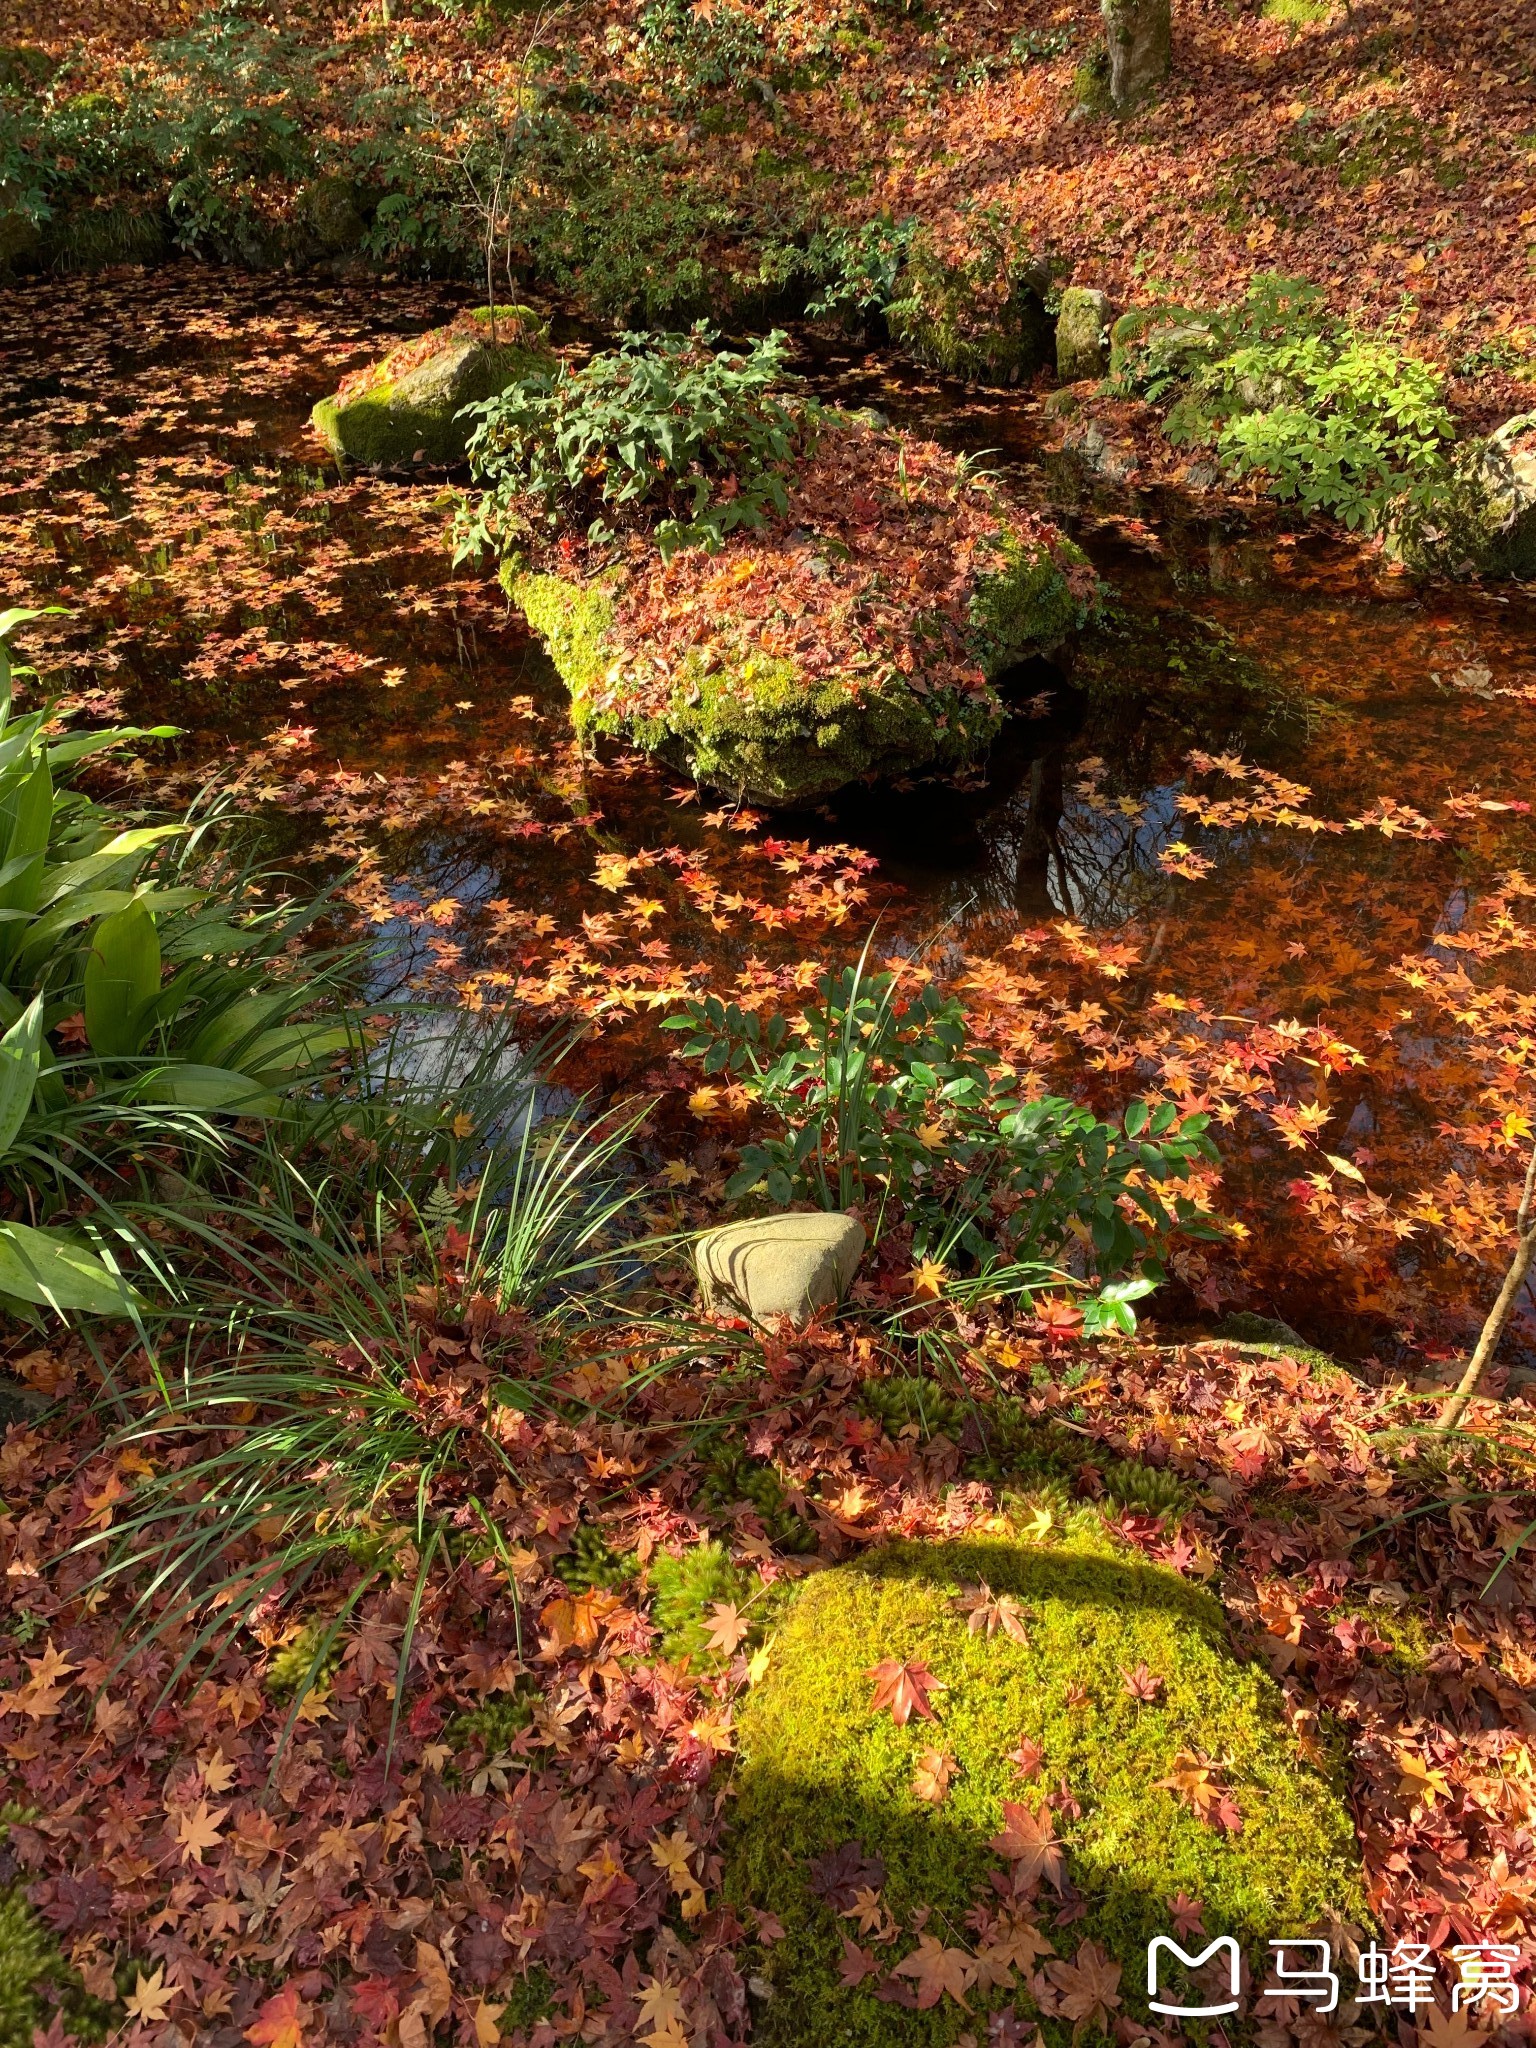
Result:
x=1140 y=36
x=1504 y=1307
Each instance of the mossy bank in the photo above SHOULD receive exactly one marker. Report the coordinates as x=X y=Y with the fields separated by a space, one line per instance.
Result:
x=819 y=1770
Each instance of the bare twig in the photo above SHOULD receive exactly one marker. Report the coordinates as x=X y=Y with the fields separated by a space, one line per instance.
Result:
x=1503 y=1308
x=489 y=189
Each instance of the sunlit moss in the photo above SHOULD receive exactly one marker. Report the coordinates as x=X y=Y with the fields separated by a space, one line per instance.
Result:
x=30 y=1961
x=757 y=724
x=819 y=1769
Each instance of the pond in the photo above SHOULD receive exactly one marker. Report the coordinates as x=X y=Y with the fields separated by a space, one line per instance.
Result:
x=1289 y=953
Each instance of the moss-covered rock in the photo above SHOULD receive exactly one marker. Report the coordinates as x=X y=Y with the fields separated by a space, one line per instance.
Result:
x=404 y=410
x=1183 y=338
x=819 y=1770
x=1082 y=326
x=861 y=636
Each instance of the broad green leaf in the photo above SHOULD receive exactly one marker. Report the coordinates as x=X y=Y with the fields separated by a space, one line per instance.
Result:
x=47 y=1268
x=186 y=1086
x=21 y=1059
x=124 y=849
x=122 y=977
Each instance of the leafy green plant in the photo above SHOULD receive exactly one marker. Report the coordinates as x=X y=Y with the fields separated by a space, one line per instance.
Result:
x=230 y=104
x=312 y=1439
x=665 y=428
x=882 y=1101
x=860 y=267
x=1333 y=419
x=138 y=1001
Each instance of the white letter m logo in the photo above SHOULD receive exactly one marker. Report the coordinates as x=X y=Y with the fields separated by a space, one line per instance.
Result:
x=1192 y=2012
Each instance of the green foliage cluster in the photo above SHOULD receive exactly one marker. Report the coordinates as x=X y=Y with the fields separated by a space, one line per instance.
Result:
x=881 y=1099
x=198 y=135
x=1333 y=419
x=819 y=1770
x=684 y=1589
x=731 y=1477
x=697 y=441
x=184 y=1019
x=35 y=1978
x=591 y=1560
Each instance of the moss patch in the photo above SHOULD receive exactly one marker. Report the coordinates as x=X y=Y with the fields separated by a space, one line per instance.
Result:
x=31 y=1966
x=819 y=1770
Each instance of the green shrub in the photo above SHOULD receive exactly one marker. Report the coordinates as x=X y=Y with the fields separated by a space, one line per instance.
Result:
x=665 y=428
x=820 y=1770
x=882 y=1099
x=1333 y=419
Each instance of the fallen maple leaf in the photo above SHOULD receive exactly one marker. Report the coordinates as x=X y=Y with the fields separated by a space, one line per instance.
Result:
x=904 y=1688
x=197 y=1829
x=1417 y=1780
x=935 y=1768
x=1028 y=1840
x=841 y=1874
x=936 y=1970
x=151 y=1998
x=279 y=2021
x=857 y=1964
x=727 y=1629
x=1089 y=1987
x=991 y=1611
x=1141 y=1684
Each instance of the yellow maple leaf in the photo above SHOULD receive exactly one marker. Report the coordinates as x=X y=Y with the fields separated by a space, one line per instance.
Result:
x=1418 y=1781
x=927 y=1280
x=197 y=1829
x=151 y=1999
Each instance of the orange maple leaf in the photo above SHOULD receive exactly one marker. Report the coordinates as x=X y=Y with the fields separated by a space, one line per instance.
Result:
x=937 y=1969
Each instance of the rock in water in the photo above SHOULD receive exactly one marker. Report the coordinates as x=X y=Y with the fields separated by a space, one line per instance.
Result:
x=788 y=1265
x=1484 y=520
x=1082 y=334
x=405 y=410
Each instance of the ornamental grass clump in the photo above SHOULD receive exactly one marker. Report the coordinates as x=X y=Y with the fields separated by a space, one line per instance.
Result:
x=975 y=1774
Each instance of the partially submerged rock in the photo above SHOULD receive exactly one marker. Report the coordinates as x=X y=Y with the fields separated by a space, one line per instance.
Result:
x=835 y=1797
x=861 y=636
x=1483 y=521
x=787 y=1265
x=1082 y=333
x=405 y=410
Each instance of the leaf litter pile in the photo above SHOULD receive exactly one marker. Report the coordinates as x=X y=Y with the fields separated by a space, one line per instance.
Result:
x=521 y=1836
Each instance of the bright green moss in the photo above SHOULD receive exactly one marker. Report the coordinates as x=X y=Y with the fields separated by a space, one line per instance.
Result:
x=759 y=727
x=818 y=1770
x=30 y=1958
x=573 y=623
x=1026 y=607
x=391 y=422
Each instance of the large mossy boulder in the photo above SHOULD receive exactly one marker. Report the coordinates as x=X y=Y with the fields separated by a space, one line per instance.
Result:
x=1483 y=520
x=1124 y=1678
x=405 y=411
x=861 y=635
x=1082 y=333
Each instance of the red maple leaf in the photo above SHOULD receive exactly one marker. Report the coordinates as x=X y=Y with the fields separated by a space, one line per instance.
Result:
x=904 y=1688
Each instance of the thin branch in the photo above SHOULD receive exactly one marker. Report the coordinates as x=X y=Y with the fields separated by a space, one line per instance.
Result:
x=1499 y=1315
